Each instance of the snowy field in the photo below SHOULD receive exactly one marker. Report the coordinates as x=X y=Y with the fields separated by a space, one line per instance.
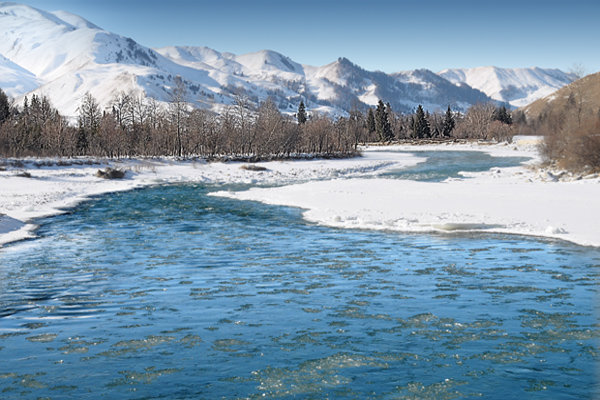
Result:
x=339 y=193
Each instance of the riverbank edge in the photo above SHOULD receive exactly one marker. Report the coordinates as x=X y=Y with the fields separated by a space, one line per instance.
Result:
x=20 y=225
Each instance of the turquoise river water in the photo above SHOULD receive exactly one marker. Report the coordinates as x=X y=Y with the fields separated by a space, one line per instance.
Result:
x=167 y=293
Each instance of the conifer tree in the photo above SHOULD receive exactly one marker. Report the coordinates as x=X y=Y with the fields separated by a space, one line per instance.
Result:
x=421 y=127
x=4 y=106
x=301 y=116
x=370 y=121
x=501 y=114
x=449 y=123
x=382 y=123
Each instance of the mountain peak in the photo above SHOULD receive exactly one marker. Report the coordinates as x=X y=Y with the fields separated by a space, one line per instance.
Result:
x=75 y=20
x=24 y=13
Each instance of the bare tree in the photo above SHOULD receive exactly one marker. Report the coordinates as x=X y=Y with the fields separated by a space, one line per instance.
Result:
x=268 y=126
x=476 y=121
x=243 y=134
x=576 y=92
x=88 y=121
x=356 y=126
x=60 y=138
x=178 y=111
x=122 y=110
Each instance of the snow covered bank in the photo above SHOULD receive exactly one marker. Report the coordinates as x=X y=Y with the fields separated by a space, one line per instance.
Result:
x=516 y=200
x=53 y=189
x=340 y=193
x=500 y=202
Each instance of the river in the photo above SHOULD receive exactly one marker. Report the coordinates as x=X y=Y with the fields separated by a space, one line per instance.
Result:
x=166 y=292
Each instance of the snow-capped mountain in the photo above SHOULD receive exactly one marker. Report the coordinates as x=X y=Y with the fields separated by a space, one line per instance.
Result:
x=68 y=56
x=63 y=56
x=517 y=87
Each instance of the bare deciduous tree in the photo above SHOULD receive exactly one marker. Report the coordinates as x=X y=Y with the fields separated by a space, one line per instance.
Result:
x=476 y=121
x=178 y=111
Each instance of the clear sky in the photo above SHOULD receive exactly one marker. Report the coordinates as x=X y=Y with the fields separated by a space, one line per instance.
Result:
x=380 y=35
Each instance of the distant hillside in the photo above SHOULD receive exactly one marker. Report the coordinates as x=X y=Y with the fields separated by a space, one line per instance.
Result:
x=517 y=87
x=587 y=89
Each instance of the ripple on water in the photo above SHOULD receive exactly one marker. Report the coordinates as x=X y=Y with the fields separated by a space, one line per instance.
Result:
x=216 y=298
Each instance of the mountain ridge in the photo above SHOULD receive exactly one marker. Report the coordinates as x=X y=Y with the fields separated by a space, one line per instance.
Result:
x=515 y=86
x=584 y=93
x=63 y=56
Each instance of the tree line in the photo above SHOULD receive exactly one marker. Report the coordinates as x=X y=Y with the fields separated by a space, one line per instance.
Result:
x=480 y=121
x=140 y=126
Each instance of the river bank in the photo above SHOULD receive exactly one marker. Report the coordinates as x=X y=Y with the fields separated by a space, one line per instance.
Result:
x=520 y=200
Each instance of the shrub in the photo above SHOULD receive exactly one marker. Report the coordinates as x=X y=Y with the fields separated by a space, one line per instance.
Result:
x=252 y=167
x=571 y=145
x=23 y=174
x=110 y=173
x=583 y=147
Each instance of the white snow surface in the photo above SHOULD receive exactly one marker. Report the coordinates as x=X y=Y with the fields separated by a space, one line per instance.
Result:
x=339 y=193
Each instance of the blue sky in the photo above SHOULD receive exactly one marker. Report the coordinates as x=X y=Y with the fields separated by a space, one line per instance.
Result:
x=384 y=35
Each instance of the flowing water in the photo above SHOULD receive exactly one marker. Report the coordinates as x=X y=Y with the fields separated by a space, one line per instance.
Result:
x=167 y=293
x=441 y=165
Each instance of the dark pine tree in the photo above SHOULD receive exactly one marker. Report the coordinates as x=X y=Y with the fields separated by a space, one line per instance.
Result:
x=449 y=123
x=370 y=121
x=301 y=116
x=4 y=106
x=501 y=114
x=421 y=127
x=382 y=123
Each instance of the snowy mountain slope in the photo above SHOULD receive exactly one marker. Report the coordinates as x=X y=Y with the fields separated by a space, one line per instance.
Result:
x=41 y=42
x=63 y=56
x=74 y=20
x=15 y=80
x=585 y=91
x=69 y=56
x=335 y=86
x=518 y=87
x=425 y=87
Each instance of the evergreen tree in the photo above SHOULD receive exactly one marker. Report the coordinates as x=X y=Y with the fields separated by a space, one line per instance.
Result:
x=382 y=123
x=301 y=116
x=501 y=114
x=4 y=106
x=421 y=127
x=449 y=123
x=370 y=121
